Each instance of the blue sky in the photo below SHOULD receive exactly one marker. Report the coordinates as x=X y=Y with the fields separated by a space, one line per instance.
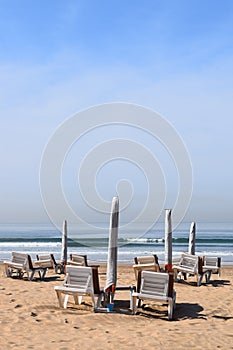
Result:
x=58 y=58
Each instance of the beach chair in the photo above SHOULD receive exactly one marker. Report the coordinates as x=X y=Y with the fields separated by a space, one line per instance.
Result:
x=147 y=262
x=211 y=264
x=77 y=260
x=17 y=264
x=49 y=261
x=79 y=281
x=156 y=286
x=21 y=263
x=33 y=268
x=189 y=265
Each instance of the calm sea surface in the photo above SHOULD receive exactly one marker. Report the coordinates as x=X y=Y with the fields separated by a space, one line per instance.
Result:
x=211 y=239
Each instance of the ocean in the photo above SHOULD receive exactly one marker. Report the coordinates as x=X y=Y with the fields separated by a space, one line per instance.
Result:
x=211 y=239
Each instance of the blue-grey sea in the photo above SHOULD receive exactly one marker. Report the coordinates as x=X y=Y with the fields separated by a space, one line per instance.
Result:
x=211 y=239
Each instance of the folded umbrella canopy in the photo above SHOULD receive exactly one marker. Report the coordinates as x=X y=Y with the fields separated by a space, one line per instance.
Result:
x=192 y=238
x=64 y=246
x=112 y=252
x=168 y=240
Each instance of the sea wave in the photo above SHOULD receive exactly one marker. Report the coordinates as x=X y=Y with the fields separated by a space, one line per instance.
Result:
x=182 y=240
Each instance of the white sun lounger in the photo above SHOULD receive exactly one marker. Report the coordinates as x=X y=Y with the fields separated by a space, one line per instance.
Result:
x=21 y=263
x=77 y=260
x=156 y=286
x=49 y=261
x=78 y=283
x=189 y=265
x=147 y=262
x=211 y=264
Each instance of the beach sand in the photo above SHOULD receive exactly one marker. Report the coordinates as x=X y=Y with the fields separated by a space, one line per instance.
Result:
x=31 y=319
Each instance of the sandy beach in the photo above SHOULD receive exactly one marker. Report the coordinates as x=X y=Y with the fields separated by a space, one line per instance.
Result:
x=31 y=319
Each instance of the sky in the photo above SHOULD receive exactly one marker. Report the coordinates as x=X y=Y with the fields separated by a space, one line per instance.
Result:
x=58 y=58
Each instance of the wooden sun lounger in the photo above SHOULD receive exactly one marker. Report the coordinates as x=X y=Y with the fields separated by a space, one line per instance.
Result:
x=211 y=264
x=49 y=261
x=147 y=262
x=21 y=263
x=77 y=260
x=156 y=286
x=17 y=264
x=79 y=282
x=189 y=265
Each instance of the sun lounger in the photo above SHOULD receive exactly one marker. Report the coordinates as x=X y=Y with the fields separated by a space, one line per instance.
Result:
x=77 y=260
x=147 y=262
x=189 y=265
x=17 y=264
x=156 y=286
x=21 y=263
x=211 y=265
x=49 y=261
x=78 y=283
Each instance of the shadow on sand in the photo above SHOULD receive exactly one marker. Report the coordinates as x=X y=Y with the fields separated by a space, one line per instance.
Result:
x=183 y=310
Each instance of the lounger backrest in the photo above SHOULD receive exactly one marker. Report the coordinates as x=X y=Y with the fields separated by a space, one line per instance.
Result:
x=47 y=259
x=147 y=259
x=19 y=258
x=79 y=277
x=43 y=256
x=211 y=261
x=189 y=261
x=154 y=283
x=79 y=259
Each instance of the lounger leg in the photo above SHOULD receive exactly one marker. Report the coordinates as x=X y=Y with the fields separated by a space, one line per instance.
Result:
x=66 y=300
x=75 y=299
x=100 y=296
x=39 y=273
x=59 y=298
x=199 y=280
x=44 y=273
x=134 y=305
x=131 y=300
x=175 y=274
x=207 y=276
x=170 y=309
x=32 y=275
x=7 y=270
